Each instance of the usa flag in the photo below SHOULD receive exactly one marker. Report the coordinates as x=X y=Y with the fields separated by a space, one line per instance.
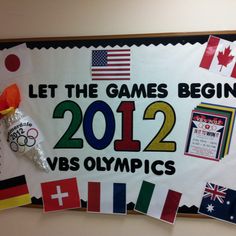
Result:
x=111 y=64
x=219 y=202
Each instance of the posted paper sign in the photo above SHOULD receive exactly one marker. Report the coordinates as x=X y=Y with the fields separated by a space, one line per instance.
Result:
x=205 y=137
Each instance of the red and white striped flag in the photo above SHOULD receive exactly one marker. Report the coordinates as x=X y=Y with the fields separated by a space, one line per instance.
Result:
x=220 y=57
x=111 y=64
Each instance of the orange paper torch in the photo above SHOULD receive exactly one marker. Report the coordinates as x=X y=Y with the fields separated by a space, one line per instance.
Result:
x=23 y=135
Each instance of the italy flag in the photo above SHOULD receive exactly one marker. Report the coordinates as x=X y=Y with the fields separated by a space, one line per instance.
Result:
x=158 y=202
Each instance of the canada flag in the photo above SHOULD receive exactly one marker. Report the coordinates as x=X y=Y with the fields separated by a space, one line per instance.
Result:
x=220 y=57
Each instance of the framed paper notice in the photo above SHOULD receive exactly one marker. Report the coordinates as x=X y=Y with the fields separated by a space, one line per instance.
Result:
x=205 y=137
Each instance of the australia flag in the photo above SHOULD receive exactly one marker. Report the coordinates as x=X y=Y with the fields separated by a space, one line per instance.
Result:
x=219 y=202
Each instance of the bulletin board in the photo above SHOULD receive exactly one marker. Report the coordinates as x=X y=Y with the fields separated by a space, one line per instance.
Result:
x=130 y=124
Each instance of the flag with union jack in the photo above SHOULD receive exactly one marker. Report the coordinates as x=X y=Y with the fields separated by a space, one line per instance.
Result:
x=215 y=192
x=113 y=64
x=219 y=202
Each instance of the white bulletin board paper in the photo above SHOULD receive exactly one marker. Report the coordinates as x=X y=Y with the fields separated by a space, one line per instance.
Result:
x=60 y=93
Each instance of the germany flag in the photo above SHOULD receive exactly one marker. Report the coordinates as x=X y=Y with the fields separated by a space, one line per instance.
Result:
x=14 y=192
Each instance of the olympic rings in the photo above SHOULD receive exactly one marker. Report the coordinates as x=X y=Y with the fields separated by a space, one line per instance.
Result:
x=31 y=131
x=23 y=141
x=15 y=148
x=31 y=141
x=207 y=126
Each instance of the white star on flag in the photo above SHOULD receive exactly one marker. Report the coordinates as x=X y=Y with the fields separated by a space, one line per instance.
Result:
x=210 y=208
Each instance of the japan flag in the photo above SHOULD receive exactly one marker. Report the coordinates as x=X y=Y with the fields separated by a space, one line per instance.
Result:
x=60 y=194
x=15 y=64
x=220 y=57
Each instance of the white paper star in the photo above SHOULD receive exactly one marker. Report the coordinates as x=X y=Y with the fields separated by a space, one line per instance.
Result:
x=210 y=208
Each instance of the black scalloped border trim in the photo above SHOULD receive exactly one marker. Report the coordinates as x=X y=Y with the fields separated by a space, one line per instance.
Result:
x=138 y=41
x=130 y=206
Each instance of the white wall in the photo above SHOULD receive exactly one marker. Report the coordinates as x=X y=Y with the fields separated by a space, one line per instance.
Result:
x=51 y=18
x=32 y=18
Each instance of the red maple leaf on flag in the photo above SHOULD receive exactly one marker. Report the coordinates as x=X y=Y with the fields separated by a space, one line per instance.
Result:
x=224 y=58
